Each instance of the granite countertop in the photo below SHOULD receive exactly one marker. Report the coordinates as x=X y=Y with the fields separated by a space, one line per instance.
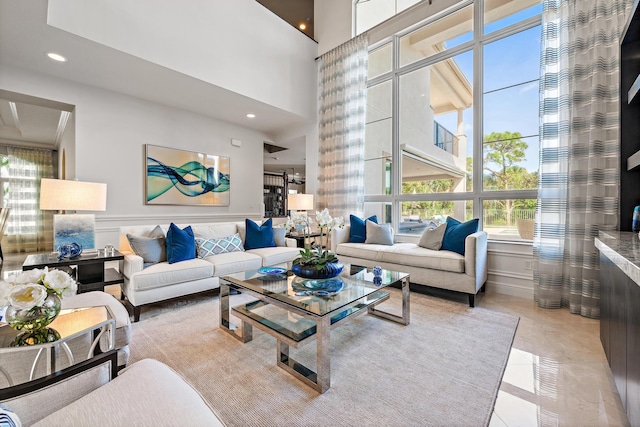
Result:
x=623 y=249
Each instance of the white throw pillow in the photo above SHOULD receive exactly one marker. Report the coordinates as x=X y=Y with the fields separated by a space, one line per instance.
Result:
x=432 y=237
x=279 y=236
x=378 y=234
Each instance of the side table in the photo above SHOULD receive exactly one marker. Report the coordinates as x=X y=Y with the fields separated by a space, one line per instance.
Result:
x=20 y=363
x=91 y=274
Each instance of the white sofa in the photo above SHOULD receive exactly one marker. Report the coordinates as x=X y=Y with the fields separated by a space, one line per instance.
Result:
x=164 y=281
x=441 y=269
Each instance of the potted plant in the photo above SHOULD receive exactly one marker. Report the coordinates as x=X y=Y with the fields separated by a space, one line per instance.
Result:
x=317 y=263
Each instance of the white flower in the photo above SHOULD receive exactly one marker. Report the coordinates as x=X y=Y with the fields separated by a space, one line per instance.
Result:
x=25 y=297
x=59 y=281
x=326 y=221
x=29 y=276
x=337 y=222
x=323 y=218
x=5 y=289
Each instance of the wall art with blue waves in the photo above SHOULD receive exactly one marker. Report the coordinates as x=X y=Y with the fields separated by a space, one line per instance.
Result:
x=180 y=177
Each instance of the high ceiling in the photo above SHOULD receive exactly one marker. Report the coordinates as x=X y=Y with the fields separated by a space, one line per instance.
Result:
x=25 y=38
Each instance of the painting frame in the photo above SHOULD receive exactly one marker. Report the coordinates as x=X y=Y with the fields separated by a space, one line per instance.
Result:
x=185 y=178
x=74 y=228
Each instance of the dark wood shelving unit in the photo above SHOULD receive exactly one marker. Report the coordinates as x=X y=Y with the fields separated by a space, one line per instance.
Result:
x=630 y=118
x=276 y=188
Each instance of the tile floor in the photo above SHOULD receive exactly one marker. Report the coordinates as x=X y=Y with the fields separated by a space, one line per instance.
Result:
x=557 y=374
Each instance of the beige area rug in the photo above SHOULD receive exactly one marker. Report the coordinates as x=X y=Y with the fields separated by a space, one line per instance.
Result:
x=444 y=369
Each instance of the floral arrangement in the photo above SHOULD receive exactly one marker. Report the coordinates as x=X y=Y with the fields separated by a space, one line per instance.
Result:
x=325 y=221
x=298 y=222
x=25 y=294
x=316 y=257
x=30 y=288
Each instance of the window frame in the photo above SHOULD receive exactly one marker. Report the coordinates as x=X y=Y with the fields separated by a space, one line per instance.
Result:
x=477 y=196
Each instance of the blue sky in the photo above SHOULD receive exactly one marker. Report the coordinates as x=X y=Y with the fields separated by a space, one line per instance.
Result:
x=511 y=99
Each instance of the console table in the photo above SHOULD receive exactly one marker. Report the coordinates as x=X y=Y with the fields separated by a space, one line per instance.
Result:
x=91 y=273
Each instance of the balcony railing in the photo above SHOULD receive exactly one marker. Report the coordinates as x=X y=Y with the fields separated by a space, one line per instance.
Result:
x=444 y=139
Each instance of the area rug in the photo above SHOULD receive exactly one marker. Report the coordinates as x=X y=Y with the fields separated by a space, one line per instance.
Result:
x=444 y=369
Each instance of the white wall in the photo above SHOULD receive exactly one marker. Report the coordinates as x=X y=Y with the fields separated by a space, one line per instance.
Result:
x=110 y=132
x=334 y=20
x=238 y=45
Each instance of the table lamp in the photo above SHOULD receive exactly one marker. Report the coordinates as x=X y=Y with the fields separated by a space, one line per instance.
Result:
x=301 y=202
x=60 y=194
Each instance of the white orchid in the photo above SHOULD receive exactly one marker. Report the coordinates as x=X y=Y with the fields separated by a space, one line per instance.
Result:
x=298 y=221
x=326 y=221
x=25 y=297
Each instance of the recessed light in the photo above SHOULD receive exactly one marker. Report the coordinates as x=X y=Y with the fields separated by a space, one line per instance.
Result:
x=251 y=115
x=56 y=57
x=302 y=26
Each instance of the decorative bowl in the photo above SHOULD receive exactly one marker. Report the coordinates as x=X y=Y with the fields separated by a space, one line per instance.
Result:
x=318 y=287
x=330 y=270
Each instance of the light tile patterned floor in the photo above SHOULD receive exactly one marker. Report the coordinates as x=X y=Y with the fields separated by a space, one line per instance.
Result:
x=557 y=374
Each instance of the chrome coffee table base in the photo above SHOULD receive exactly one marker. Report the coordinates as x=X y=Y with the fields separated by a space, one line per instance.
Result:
x=273 y=316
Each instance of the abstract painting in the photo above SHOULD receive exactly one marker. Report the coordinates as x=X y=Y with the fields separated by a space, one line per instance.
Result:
x=180 y=177
x=76 y=228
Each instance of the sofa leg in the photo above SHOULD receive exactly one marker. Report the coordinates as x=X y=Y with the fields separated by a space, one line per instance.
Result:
x=472 y=300
x=136 y=314
x=483 y=288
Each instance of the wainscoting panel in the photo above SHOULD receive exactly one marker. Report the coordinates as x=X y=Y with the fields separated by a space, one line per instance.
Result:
x=510 y=269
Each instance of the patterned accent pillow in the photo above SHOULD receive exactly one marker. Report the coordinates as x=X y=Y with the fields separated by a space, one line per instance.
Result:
x=209 y=247
x=8 y=418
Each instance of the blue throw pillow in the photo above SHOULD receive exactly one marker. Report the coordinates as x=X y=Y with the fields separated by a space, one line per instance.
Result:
x=259 y=236
x=456 y=233
x=358 y=231
x=181 y=244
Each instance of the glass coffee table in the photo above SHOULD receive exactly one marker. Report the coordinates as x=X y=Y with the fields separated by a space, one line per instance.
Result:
x=297 y=311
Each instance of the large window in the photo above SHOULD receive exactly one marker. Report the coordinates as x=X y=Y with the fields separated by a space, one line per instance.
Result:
x=452 y=128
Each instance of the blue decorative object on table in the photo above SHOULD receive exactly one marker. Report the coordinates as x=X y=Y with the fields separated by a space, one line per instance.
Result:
x=272 y=270
x=377 y=280
x=377 y=271
x=324 y=287
x=70 y=250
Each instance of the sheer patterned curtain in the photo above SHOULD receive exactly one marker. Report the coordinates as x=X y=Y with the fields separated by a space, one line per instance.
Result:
x=29 y=229
x=579 y=149
x=343 y=98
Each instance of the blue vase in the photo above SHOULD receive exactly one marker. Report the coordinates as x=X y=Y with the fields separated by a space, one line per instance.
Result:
x=330 y=270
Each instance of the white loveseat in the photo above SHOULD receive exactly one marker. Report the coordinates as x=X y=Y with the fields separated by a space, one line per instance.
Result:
x=441 y=269
x=164 y=281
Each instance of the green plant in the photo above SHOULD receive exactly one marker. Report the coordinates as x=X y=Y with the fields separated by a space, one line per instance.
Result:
x=316 y=257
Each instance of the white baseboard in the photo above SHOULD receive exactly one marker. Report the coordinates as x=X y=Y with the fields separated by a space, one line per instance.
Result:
x=510 y=288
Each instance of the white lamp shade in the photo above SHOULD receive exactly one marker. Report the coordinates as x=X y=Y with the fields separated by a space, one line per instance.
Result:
x=59 y=194
x=300 y=202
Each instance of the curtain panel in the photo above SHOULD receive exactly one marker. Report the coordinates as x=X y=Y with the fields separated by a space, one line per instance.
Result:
x=579 y=149
x=342 y=104
x=29 y=229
